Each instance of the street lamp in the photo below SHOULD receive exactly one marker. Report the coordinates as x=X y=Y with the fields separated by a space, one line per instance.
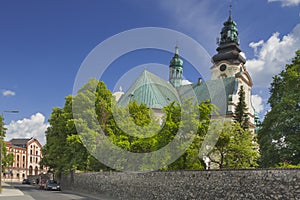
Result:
x=1 y=138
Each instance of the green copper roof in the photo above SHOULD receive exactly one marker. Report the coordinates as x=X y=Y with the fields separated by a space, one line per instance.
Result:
x=150 y=90
x=176 y=61
x=218 y=92
x=176 y=69
x=229 y=32
x=157 y=93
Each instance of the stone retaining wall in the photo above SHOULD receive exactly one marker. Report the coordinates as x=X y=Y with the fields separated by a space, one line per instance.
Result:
x=220 y=184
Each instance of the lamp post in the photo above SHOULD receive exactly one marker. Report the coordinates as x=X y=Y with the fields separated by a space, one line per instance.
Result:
x=1 y=138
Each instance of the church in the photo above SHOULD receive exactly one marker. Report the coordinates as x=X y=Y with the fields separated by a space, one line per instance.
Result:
x=228 y=74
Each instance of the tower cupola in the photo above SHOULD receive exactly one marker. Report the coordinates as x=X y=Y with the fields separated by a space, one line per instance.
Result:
x=228 y=45
x=229 y=32
x=176 y=69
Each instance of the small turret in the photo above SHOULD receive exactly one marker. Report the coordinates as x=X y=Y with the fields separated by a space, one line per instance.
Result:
x=176 y=68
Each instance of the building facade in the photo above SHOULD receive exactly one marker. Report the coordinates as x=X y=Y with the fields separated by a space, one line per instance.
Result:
x=27 y=156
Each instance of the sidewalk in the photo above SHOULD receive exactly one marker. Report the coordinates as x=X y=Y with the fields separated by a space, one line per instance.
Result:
x=12 y=193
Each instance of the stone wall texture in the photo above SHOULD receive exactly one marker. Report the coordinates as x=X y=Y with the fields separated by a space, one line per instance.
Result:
x=257 y=184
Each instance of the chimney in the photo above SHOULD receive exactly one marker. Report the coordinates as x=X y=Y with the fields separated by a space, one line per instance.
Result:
x=199 y=81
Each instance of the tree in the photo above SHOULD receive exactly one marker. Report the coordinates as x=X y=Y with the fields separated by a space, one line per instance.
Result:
x=7 y=158
x=240 y=114
x=234 y=148
x=64 y=150
x=279 y=137
x=188 y=117
x=100 y=122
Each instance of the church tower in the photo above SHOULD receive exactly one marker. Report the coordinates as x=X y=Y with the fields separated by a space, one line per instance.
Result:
x=176 y=69
x=229 y=62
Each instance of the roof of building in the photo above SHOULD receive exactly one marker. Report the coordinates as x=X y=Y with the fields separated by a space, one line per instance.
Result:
x=217 y=91
x=228 y=48
x=176 y=60
x=150 y=90
x=157 y=93
x=20 y=141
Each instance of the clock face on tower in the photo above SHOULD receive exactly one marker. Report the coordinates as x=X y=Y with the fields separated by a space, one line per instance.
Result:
x=223 y=67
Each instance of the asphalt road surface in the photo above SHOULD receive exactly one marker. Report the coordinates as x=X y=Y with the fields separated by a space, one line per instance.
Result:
x=39 y=194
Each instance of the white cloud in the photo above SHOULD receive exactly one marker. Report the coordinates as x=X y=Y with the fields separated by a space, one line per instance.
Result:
x=256 y=45
x=287 y=2
x=35 y=127
x=8 y=93
x=272 y=56
x=257 y=103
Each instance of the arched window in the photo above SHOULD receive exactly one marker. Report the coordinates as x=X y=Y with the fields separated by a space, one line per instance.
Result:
x=30 y=170
x=36 y=171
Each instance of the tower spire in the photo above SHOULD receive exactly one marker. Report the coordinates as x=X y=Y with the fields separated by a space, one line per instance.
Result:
x=228 y=44
x=229 y=31
x=230 y=10
x=176 y=50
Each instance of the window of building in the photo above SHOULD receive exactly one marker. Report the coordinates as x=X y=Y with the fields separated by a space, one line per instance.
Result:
x=30 y=170
x=30 y=159
x=36 y=160
x=36 y=171
x=31 y=152
x=18 y=157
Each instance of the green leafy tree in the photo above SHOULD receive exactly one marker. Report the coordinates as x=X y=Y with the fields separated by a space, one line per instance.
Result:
x=7 y=158
x=196 y=118
x=234 y=148
x=135 y=128
x=279 y=137
x=240 y=114
x=64 y=150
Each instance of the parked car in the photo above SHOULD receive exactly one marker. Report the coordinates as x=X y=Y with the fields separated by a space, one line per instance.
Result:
x=52 y=185
x=42 y=184
x=26 y=181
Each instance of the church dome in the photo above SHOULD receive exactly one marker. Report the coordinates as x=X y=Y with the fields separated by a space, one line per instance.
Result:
x=176 y=61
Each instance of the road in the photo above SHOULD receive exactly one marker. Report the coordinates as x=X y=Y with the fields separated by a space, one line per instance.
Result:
x=39 y=194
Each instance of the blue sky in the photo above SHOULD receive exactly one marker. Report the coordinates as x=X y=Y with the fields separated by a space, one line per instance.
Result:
x=43 y=44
